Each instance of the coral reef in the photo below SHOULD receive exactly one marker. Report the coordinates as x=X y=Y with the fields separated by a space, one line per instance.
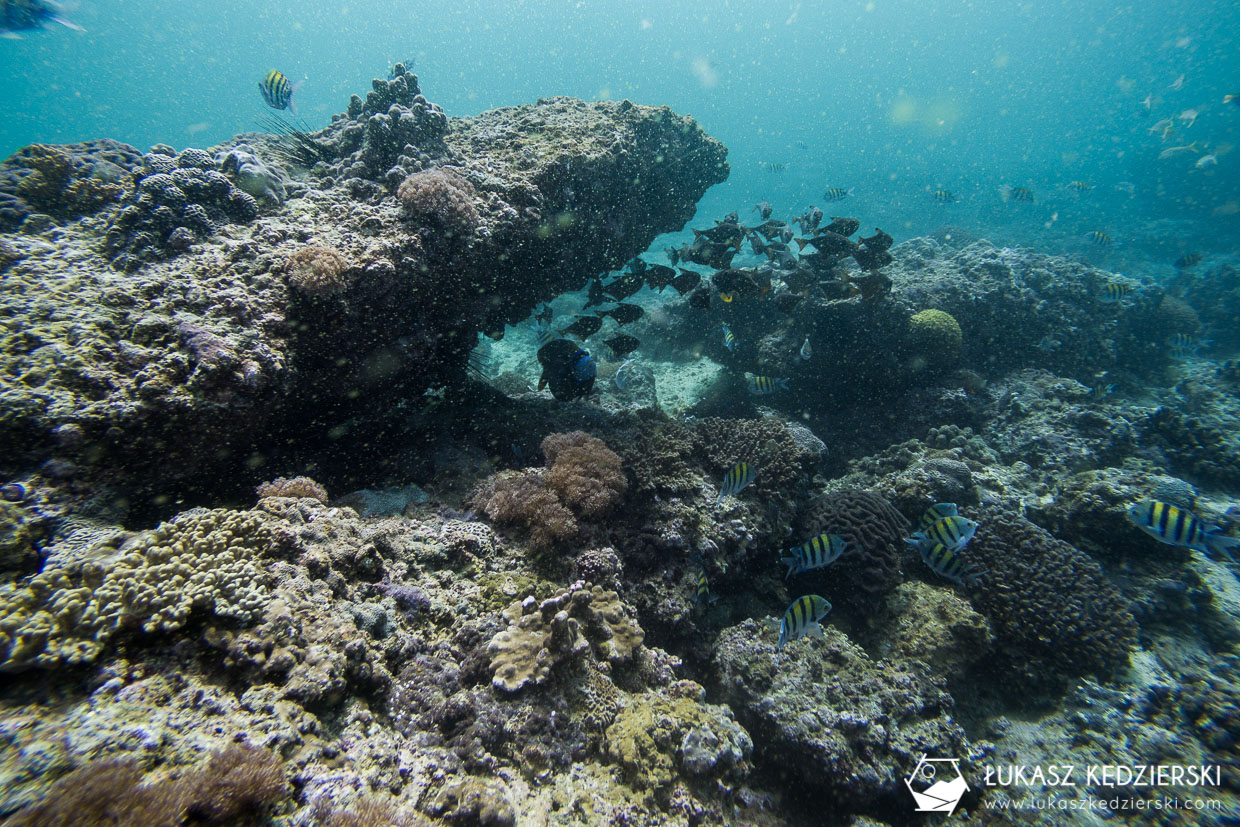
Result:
x=768 y=444
x=1194 y=447
x=63 y=181
x=264 y=180
x=295 y=487
x=870 y=566
x=846 y=727
x=176 y=201
x=1054 y=612
x=935 y=336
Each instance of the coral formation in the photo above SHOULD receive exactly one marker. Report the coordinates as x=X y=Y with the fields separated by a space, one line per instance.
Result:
x=236 y=786
x=541 y=635
x=521 y=498
x=875 y=532
x=935 y=336
x=768 y=444
x=584 y=473
x=1193 y=446
x=63 y=181
x=206 y=560
x=176 y=201
x=296 y=487
x=1054 y=612
x=441 y=199
x=317 y=271
x=262 y=179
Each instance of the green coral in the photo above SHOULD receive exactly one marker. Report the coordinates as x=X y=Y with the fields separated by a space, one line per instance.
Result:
x=17 y=549
x=199 y=560
x=935 y=336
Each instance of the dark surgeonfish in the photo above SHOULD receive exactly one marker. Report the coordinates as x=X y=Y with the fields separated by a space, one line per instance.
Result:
x=731 y=234
x=659 y=276
x=597 y=293
x=711 y=254
x=625 y=286
x=810 y=219
x=277 y=91
x=738 y=283
x=567 y=368
x=685 y=281
x=763 y=209
x=622 y=343
x=28 y=15
x=584 y=327
x=843 y=226
x=829 y=243
x=771 y=229
x=624 y=313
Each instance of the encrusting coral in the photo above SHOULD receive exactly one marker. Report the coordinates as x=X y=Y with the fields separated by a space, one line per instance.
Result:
x=541 y=635
x=441 y=198
x=200 y=560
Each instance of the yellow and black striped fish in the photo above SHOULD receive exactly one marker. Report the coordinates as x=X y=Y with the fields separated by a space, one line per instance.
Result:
x=802 y=619
x=277 y=91
x=935 y=513
x=954 y=532
x=1185 y=344
x=729 y=339
x=1080 y=186
x=945 y=197
x=817 y=553
x=1113 y=291
x=837 y=193
x=735 y=481
x=946 y=563
x=1020 y=195
x=764 y=385
x=1187 y=260
x=703 y=589
x=1098 y=237
x=1176 y=526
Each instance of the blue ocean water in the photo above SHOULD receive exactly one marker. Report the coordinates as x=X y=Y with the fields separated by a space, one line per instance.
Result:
x=895 y=98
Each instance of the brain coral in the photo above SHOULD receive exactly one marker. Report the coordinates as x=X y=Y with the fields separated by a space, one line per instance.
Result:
x=199 y=560
x=1053 y=610
x=875 y=534
x=936 y=334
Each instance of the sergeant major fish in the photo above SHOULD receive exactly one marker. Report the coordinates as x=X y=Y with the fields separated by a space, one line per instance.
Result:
x=736 y=480
x=277 y=91
x=1176 y=526
x=802 y=618
x=946 y=563
x=955 y=532
x=816 y=553
x=28 y=15
x=765 y=385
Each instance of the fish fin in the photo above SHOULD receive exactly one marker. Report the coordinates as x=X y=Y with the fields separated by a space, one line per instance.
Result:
x=801 y=242
x=783 y=383
x=1223 y=544
x=791 y=563
x=815 y=631
x=542 y=382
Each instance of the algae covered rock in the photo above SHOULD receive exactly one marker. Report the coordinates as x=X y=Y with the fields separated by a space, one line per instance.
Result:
x=847 y=727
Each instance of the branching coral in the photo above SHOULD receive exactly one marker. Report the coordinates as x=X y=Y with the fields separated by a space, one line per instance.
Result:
x=584 y=472
x=296 y=487
x=317 y=271
x=236 y=786
x=584 y=479
x=441 y=198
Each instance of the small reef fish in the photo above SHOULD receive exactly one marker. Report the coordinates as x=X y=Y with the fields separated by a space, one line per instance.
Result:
x=955 y=532
x=699 y=298
x=624 y=313
x=1080 y=186
x=807 y=352
x=621 y=377
x=1148 y=103
x=763 y=208
x=622 y=344
x=772 y=166
x=1098 y=237
x=765 y=385
x=659 y=276
x=802 y=618
x=1126 y=187
x=567 y=368
x=842 y=226
x=817 y=553
x=1020 y=195
x=277 y=91
x=727 y=297
x=686 y=281
x=14 y=492
x=28 y=15
x=1188 y=117
x=1113 y=291
x=1172 y=151
x=834 y=194
x=947 y=563
x=1206 y=161
x=702 y=595
x=1185 y=344
x=944 y=197
x=935 y=513
x=1232 y=99
x=736 y=480
x=1175 y=526
x=729 y=340
x=627 y=284
x=584 y=327
x=810 y=219
x=1188 y=260
x=1101 y=391
x=1161 y=126
x=1177 y=84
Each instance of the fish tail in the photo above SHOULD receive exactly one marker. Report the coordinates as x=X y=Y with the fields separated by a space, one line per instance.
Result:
x=1222 y=544
x=791 y=563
